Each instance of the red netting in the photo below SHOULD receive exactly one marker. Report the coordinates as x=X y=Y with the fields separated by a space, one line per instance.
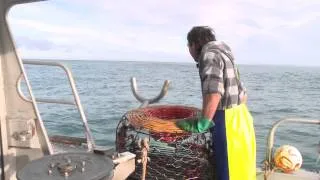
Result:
x=170 y=112
x=161 y=119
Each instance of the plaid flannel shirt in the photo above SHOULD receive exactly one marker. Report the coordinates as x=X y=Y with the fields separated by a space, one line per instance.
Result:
x=219 y=74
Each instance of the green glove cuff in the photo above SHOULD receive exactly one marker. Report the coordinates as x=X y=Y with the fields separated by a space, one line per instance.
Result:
x=204 y=124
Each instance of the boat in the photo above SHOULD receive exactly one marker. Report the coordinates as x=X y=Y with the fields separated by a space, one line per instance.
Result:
x=27 y=152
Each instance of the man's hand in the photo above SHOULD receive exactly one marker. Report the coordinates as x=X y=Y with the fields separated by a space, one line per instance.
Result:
x=196 y=125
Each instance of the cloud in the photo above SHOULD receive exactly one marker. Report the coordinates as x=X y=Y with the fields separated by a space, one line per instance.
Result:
x=144 y=30
x=49 y=28
x=231 y=17
x=42 y=45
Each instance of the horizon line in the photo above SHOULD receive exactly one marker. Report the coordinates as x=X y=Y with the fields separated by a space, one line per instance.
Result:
x=166 y=61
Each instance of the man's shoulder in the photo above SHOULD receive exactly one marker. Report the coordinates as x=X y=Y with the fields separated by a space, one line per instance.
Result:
x=210 y=55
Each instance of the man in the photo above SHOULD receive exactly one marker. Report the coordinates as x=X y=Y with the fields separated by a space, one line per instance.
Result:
x=223 y=107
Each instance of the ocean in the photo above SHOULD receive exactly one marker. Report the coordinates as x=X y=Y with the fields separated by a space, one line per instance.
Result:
x=274 y=93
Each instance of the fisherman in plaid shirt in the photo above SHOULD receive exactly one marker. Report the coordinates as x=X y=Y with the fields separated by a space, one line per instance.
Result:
x=224 y=109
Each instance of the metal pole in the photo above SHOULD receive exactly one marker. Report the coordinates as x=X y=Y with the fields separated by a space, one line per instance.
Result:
x=89 y=137
x=145 y=101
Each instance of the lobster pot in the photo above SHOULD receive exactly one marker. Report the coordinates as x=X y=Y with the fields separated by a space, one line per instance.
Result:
x=173 y=153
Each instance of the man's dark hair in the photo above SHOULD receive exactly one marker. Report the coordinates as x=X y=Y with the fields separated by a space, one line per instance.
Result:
x=200 y=35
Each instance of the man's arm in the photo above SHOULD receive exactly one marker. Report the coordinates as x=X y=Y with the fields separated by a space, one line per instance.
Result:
x=243 y=96
x=244 y=99
x=210 y=104
x=211 y=74
x=212 y=83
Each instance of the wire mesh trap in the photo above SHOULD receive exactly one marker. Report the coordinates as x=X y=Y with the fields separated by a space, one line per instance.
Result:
x=173 y=153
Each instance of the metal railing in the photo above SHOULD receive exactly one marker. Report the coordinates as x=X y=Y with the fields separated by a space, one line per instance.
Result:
x=268 y=165
x=76 y=102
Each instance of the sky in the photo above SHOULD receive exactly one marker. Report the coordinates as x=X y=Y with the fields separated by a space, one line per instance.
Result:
x=258 y=31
